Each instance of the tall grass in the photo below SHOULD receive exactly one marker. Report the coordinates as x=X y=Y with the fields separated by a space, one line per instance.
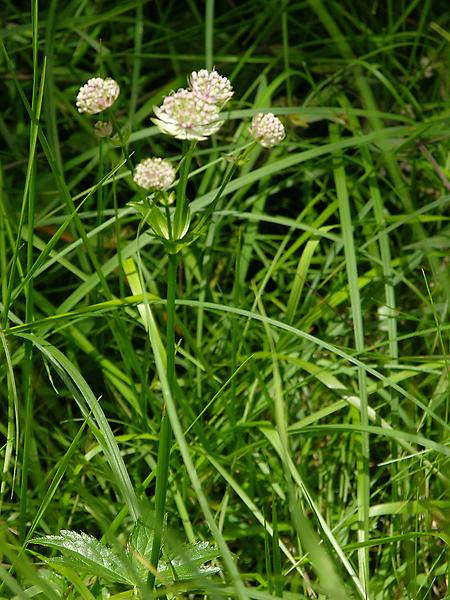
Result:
x=298 y=349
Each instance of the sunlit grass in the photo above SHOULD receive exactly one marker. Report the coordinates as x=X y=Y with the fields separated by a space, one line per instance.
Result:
x=309 y=400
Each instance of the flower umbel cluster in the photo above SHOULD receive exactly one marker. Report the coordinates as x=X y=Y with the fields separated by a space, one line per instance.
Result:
x=97 y=95
x=154 y=174
x=187 y=117
x=267 y=129
x=193 y=114
x=210 y=87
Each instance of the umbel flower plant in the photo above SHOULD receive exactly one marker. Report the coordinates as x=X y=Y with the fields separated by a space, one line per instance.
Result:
x=192 y=115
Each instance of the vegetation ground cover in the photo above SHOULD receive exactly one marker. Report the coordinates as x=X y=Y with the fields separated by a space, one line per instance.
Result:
x=306 y=414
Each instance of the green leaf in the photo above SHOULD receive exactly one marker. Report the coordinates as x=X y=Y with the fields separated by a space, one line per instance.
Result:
x=190 y=562
x=153 y=216
x=181 y=220
x=140 y=545
x=158 y=222
x=141 y=539
x=85 y=553
x=121 y=140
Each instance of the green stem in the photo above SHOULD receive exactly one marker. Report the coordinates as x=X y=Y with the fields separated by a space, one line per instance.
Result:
x=209 y=34
x=100 y=207
x=123 y=143
x=169 y=221
x=29 y=203
x=227 y=178
x=35 y=115
x=165 y=436
x=188 y=151
x=28 y=365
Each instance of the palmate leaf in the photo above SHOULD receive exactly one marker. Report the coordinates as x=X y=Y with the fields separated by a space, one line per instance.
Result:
x=141 y=539
x=187 y=563
x=190 y=562
x=85 y=553
x=140 y=548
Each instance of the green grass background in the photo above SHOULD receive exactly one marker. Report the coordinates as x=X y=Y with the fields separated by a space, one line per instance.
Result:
x=311 y=440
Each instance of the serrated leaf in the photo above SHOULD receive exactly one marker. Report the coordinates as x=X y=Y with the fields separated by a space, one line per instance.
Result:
x=85 y=553
x=140 y=547
x=186 y=564
x=141 y=539
x=190 y=563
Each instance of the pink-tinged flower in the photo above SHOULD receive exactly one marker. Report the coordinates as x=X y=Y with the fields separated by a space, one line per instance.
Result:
x=267 y=129
x=186 y=116
x=210 y=87
x=154 y=174
x=97 y=95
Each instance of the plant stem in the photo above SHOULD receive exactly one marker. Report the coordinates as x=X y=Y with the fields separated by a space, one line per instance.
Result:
x=123 y=143
x=100 y=198
x=165 y=436
x=29 y=200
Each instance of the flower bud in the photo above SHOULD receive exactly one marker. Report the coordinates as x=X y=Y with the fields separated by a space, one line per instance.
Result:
x=103 y=129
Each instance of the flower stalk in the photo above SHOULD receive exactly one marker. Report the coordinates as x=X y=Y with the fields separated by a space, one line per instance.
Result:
x=165 y=435
x=165 y=432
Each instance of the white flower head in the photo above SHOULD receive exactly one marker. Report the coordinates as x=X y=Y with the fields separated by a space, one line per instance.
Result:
x=187 y=117
x=210 y=87
x=154 y=174
x=97 y=95
x=267 y=129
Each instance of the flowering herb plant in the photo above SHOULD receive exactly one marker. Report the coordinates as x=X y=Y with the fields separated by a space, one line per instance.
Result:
x=192 y=115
